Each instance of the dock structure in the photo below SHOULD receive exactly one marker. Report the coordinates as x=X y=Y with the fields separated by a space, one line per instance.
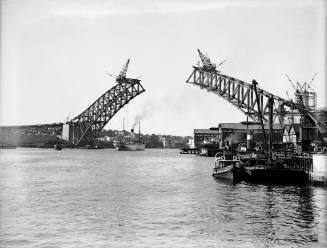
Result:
x=303 y=125
x=319 y=170
x=256 y=105
x=299 y=169
x=190 y=151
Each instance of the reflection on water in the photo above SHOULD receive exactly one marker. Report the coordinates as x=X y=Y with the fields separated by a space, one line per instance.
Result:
x=155 y=198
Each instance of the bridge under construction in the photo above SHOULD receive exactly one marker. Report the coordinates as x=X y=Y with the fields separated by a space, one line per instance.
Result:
x=255 y=104
x=85 y=127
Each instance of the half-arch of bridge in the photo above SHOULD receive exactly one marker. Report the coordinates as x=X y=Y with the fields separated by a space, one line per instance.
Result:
x=85 y=127
x=243 y=97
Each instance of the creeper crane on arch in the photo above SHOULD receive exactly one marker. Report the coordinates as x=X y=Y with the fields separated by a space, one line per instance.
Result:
x=243 y=97
x=84 y=128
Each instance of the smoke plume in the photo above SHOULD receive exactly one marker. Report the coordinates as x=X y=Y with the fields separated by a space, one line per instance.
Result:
x=147 y=111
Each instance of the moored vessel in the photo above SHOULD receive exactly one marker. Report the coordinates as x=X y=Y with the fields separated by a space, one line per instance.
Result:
x=224 y=168
x=296 y=170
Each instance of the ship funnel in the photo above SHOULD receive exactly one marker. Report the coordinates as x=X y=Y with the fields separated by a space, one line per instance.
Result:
x=249 y=139
x=132 y=134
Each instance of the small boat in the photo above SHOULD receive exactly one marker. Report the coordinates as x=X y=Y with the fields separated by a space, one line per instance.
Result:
x=224 y=168
x=57 y=147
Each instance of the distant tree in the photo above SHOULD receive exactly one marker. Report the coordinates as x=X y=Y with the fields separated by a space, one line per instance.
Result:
x=153 y=141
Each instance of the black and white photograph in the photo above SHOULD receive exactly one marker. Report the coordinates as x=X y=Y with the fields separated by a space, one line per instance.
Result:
x=163 y=123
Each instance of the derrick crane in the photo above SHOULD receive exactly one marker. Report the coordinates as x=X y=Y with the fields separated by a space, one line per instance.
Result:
x=206 y=61
x=243 y=97
x=85 y=127
x=207 y=64
x=123 y=72
x=304 y=93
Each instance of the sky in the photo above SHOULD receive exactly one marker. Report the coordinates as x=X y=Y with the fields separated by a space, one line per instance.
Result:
x=55 y=54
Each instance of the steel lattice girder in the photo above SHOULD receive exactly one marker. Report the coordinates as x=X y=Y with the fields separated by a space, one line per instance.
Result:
x=237 y=92
x=240 y=94
x=90 y=123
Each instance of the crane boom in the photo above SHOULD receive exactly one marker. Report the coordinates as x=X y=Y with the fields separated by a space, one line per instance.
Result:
x=123 y=71
x=206 y=61
x=289 y=79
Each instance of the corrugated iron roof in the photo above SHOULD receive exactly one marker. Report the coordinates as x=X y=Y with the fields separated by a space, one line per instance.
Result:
x=205 y=131
x=244 y=126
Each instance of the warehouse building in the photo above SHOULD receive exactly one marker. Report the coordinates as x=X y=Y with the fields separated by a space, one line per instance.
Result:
x=205 y=136
x=233 y=134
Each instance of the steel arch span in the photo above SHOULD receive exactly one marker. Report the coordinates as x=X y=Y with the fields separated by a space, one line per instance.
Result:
x=243 y=97
x=85 y=127
x=237 y=92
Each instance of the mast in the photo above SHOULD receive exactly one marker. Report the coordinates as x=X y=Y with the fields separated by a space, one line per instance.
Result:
x=271 y=109
x=254 y=83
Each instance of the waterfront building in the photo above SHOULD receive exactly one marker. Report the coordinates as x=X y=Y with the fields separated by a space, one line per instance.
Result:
x=205 y=136
x=233 y=134
x=302 y=137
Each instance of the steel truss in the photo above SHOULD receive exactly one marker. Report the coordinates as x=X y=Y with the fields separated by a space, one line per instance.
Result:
x=242 y=96
x=88 y=125
x=237 y=92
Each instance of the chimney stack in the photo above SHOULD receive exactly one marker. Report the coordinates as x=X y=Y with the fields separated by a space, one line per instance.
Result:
x=132 y=134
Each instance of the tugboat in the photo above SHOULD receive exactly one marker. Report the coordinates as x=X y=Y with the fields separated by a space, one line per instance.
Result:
x=224 y=168
x=225 y=164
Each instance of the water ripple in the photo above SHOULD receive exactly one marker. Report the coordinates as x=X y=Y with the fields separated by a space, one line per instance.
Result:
x=156 y=198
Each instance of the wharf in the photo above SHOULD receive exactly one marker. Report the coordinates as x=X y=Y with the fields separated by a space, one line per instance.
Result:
x=294 y=169
x=7 y=146
x=272 y=175
x=189 y=151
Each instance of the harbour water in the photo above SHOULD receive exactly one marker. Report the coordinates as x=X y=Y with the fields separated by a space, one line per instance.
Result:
x=153 y=198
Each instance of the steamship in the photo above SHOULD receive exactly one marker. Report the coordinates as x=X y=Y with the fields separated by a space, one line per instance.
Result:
x=131 y=144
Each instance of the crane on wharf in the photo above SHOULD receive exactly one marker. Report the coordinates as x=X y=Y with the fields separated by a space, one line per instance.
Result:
x=261 y=105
